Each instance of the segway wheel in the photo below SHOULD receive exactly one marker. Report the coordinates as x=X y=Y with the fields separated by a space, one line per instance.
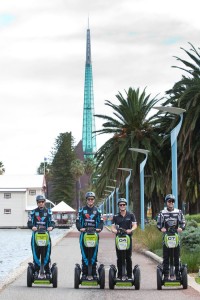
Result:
x=111 y=278
x=76 y=278
x=102 y=278
x=137 y=279
x=29 y=276
x=184 y=278
x=159 y=279
x=55 y=277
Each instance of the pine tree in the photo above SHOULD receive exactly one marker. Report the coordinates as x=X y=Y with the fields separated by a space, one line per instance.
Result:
x=62 y=180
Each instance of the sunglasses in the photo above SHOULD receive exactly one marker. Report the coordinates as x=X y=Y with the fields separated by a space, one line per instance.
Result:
x=40 y=201
x=122 y=204
x=170 y=201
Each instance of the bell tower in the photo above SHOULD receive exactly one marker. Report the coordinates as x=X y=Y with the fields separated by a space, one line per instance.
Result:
x=88 y=138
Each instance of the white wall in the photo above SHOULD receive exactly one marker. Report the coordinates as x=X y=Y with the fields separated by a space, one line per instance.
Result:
x=16 y=204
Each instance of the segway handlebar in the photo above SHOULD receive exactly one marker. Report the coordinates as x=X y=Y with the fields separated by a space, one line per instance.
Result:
x=41 y=229
x=171 y=230
x=121 y=231
x=90 y=230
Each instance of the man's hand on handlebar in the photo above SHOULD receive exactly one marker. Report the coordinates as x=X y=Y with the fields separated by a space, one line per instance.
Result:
x=34 y=228
x=172 y=230
x=49 y=228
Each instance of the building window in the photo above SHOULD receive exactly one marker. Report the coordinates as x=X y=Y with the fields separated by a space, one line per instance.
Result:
x=7 y=195
x=32 y=192
x=7 y=211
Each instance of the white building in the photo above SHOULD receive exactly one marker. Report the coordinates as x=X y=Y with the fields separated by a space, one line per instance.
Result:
x=18 y=197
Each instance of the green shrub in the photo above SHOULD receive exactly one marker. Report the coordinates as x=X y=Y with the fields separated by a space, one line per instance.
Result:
x=191 y=259
x=193 y=217
x=150 y=238
x=192 y=223
x=190 y=239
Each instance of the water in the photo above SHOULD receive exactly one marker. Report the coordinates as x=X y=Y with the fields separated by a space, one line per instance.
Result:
x=15 y=248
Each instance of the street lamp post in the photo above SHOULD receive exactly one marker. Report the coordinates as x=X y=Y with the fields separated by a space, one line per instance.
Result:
x=109 y=205
x=117 y=198
x=127 y=182
x=174 y=134
x=142 y=164
x=112 y=196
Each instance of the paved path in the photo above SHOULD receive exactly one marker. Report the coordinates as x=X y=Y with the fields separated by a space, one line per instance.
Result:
x=67 y=252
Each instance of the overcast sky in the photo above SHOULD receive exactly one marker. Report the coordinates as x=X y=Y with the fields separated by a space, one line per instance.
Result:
x=42 y=64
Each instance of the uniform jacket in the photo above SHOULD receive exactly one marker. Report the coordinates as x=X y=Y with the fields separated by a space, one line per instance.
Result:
x=171 y=219
x=89 y=217
x=41 y=217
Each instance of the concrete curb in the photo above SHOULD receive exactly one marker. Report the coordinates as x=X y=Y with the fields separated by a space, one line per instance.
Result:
x=23 y=266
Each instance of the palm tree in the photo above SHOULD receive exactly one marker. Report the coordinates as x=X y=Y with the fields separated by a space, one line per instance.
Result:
x=131 y=126
x=2 y=169
x=186 y=94
x=77 y=170
x=89 y=165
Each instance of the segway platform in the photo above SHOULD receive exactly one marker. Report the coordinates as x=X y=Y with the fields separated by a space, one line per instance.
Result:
x=89 y=281
x=41 y=279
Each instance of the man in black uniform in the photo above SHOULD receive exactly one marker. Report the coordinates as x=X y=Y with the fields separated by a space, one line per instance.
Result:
x=170 y=217
x=42 y=218
x=125 y=220
x=89 y=216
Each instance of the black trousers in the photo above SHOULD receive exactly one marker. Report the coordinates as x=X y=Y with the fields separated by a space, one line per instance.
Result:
x=166 y=255
x=124 y=254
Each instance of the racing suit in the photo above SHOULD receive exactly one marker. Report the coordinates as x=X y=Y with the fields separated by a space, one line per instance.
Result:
x=40 y=218
x=170 y=219
x=125 y=223
x=89 y=217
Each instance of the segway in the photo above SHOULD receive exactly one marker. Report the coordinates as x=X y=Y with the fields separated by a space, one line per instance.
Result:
x=90 y=239
x=41 y=237
x=171 y=240
x=123 y=243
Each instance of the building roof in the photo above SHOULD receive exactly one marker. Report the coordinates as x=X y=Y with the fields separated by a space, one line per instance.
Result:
x=62 y=207
x=21 y=181
x=12 y=190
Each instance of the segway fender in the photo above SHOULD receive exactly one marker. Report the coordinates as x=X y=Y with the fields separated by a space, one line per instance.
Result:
x=135 y=268
x=53 y=266
x=100 y=268
x=31 y=265
x=113 y=267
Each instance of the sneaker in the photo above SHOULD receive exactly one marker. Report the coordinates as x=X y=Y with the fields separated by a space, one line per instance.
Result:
x=129 y=278
x=119 y=278
x=84 y=277
x=48 y=276
x=36 y=275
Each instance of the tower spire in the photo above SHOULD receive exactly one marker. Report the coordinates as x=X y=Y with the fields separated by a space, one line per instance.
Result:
x=88 y=138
